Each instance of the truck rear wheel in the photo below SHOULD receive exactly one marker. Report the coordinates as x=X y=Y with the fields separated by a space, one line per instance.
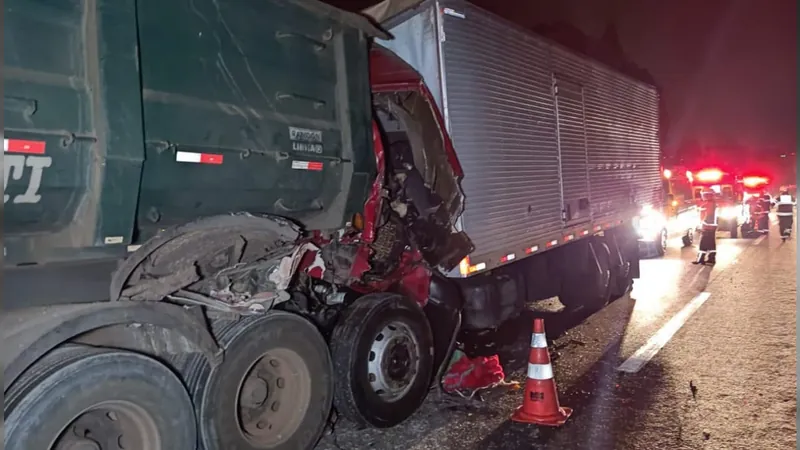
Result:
x=588 y=290
x=273 y=390
x=85 y=398
x=661 y=243
x=382 y=352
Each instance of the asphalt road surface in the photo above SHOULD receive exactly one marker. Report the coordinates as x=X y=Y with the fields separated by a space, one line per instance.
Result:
x=694 y=358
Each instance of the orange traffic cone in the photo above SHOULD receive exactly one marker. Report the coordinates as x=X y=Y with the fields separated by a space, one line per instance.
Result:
x=540 y=404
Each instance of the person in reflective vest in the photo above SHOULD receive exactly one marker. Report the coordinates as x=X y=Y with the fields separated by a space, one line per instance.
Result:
x=785 y=212
x=754 y=212
x=763 y=220
x=708 y=239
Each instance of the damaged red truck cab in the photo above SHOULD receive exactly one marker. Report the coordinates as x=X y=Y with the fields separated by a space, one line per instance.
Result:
x=390 y=79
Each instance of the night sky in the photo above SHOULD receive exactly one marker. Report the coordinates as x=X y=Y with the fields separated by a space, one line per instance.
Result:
x=727 y=68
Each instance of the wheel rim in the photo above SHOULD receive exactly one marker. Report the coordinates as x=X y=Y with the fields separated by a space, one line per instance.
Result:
x=112 y=425
x=393 y=362
x=273 y=398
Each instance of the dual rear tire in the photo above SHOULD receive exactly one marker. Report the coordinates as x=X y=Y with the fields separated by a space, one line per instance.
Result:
x=285 y=380
x=84 y=398
x=273 y=390
x=607 y=276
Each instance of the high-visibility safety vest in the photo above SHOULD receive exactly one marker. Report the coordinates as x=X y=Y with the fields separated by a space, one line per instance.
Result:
x=754 y=207
x=785 y=206
x=708 y=214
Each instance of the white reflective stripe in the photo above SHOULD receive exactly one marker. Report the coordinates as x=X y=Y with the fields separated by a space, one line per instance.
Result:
x=784 y=214
x=538 y=340
x=712 y=251
x=187 y=157
x=540 y=371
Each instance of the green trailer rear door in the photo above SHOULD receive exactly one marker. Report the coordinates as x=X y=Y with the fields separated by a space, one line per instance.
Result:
x=258 y=106
x=73 y=143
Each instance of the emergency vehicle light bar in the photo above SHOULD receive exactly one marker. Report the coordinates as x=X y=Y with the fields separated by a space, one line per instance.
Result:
x=753 y=182
x=709 y=175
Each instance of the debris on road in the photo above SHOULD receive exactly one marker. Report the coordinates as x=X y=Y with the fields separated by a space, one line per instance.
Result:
x=466 y=376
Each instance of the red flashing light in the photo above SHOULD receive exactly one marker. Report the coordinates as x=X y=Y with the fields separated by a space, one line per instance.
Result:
x=754 y=182
x=709 y=175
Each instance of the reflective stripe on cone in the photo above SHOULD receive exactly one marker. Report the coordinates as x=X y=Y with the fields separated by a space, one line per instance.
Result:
x=538 y=340
x=540 y=371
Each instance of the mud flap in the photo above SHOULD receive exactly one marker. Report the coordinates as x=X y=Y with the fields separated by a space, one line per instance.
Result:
x=443 y=311
x=633 y=258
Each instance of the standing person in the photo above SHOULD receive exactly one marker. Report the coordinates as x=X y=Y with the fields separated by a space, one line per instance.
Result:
x=785 y=212
x=708 y=239
x=753 y=208
x=766 y=205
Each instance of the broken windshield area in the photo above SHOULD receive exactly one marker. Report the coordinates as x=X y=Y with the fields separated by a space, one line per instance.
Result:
x=415 y=138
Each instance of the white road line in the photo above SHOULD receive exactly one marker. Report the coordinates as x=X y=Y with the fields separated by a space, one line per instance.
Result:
x=660 y=339
x=696 y=276
x=760 y=239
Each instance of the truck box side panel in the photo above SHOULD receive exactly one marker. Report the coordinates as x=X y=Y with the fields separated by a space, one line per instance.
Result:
x=538 y=129
x=572 y=148
x=415 y=41
x=622 y=134
x=502 y=119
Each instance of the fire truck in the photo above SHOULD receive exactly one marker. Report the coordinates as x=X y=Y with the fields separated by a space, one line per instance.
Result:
x=728 y=189
x=754 y=187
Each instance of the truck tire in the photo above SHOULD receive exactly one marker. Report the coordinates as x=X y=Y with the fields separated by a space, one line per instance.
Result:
x=620 y=266
x=620 y=282
x=383 y=357
x=747 y=229
x=588 y=291
x=688 y=238
x=734 y=230
x=661 y=243
x=274 y=389
x=82 y=397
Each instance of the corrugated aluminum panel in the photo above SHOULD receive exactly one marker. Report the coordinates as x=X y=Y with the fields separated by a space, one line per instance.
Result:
x=572 y=150
x=502 y=120
x=416 y=42
x=622 y=134
x=495 y=84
